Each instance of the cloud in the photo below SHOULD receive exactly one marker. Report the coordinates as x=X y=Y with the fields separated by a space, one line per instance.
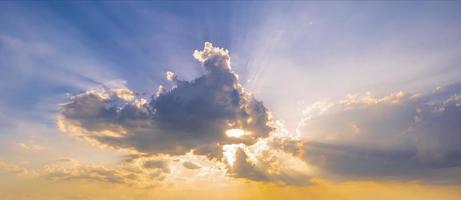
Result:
x=269 y=160
x=30 y=146
x=194 y=115
x=143 y=172
x=190 y=165
x=10 y=168
x=206 y=116
x=398 y=136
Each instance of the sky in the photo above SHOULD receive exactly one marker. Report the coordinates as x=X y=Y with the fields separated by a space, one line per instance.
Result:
x=230 y=100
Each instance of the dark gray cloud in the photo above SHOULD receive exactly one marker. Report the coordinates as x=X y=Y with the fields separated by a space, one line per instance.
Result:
x=243 y=168
x=399 y=136
x=193 y=115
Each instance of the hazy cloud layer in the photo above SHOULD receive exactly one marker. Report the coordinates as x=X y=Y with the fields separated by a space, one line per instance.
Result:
x=398 y=136
x=141 y=172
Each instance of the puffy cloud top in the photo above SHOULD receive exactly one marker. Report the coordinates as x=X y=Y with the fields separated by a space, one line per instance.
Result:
x=213 y=58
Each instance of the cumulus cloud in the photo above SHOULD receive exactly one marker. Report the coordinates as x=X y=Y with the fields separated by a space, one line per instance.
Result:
x=194 y=115
x=399 y=135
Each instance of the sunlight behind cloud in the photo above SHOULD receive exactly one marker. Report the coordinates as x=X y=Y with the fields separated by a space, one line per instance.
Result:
x=236 y=133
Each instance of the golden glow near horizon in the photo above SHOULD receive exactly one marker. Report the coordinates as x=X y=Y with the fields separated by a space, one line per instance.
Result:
x=19 y=189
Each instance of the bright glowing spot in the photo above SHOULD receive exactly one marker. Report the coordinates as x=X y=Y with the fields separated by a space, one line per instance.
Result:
x=229 y=151
x=236 y=133
x=139 y=103
x=160 y=90
x=124 y=94
x=170 y=76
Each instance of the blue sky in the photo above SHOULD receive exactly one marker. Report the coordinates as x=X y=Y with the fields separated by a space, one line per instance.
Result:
x=139 y=41
x=300 y=58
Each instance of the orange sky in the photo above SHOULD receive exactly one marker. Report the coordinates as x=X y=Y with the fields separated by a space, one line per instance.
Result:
x=21 y=188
